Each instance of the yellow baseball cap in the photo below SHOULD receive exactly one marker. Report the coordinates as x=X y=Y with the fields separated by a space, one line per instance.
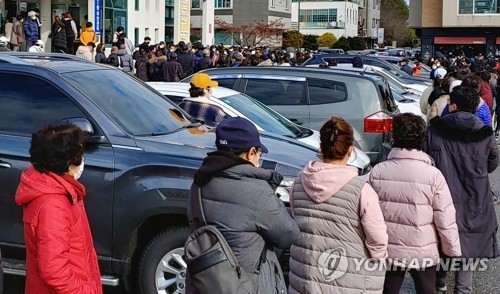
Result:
x=202 y=80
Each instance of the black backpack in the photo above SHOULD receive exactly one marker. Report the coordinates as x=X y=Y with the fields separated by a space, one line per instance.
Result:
x=211 y=263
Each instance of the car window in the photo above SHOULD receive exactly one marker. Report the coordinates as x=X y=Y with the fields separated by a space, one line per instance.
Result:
x=28 y=103
x=326 y=91
x=176 y=99
x=226 y=83
x=131 y=105
x=276 y=92
x=263 y=116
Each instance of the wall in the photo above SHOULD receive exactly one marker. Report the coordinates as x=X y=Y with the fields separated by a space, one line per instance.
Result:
x=432 y=12
x=372 y=13
x=451 y=18
x=415 y=19
x=351 y=27
x=152 y=19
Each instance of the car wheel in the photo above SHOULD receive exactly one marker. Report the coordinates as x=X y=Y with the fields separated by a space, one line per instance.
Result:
x=162 y=268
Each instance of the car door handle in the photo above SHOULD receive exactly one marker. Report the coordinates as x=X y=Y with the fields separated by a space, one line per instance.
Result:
x=296 y=121
x=4 y=164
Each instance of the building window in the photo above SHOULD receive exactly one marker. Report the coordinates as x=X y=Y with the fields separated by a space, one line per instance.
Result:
x=223 y=4
x=136 y=5
x=196 y=4
x=136 y=36
x=478 y=6
x=318 y=18
x=146 y=33
x=286 y=4
x=115 y=15
x=273 y=3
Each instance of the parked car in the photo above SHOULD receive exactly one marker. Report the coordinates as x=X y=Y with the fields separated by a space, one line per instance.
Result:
x=407 y=100
x=236 y=104
x=140 y=160
x=381 y=61
x=309 y=97
x=329 y=50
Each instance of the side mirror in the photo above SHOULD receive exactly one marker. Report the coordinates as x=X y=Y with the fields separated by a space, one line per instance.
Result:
x=85 y=125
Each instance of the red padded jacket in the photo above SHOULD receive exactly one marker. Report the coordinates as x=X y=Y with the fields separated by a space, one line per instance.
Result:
x=60 y=255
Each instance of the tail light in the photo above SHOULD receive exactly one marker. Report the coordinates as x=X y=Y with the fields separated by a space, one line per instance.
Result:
x=379 y=122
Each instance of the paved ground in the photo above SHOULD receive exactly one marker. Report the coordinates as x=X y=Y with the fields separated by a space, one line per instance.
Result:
x=487 y=282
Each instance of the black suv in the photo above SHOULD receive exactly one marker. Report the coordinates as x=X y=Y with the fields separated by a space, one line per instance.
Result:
x=139 y=164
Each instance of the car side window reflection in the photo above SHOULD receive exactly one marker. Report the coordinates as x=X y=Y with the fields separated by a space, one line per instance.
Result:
x=28 y=103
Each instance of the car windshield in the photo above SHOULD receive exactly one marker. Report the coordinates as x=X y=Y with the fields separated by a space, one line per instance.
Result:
x=263 y=116
x=133 y=106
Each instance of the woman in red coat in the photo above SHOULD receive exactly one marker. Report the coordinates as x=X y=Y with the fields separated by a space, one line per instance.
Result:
x=60 y=255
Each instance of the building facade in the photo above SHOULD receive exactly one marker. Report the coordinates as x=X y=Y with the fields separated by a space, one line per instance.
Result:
x=240 y=12
x=140 y=18
x=313 y=17
x=369 y=20
x=471 y=26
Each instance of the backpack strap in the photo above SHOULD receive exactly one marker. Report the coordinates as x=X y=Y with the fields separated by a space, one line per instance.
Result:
x=198 y=215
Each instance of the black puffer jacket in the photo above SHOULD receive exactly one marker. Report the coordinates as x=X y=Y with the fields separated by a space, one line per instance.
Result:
x=239 y=200
x=187 y=62
x=58 y=35
x=155 y=69
x=465 y=151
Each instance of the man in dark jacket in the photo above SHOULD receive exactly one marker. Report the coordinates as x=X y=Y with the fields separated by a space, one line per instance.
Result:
x=172 y=69
x=238 y=198
x=186 y=60
x=405 y=67
x=30 y=28
x=205 y=62
x=465 y=151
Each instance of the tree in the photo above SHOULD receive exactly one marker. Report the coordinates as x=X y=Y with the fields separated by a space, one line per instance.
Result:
x=310 y=42
x=293 y=39
x=393 y=16
x=342 y=43
x=357 y=43
x=253 y=34
x=326 y=40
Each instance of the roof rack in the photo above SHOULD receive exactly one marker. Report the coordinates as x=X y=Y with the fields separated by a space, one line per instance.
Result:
x=21 y=57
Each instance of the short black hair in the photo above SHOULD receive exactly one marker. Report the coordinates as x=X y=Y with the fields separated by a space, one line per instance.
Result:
x=147 y=39
x=409 y=132
x=465 y=98
x=55 y=147
x=120 y=29
x=89 y=24
x=92 y=44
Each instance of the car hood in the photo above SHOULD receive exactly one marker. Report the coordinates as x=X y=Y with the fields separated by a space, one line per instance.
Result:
x=290 y=154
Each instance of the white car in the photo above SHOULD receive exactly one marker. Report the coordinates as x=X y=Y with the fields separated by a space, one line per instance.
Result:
x=236 y=104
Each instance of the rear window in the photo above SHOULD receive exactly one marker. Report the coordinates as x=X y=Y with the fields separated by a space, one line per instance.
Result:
x=388 y=99
x=226 y=83
x=326 y=91
x=276 y=92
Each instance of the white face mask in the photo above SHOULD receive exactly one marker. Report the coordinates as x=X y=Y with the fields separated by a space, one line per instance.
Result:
x=77 y=174
x=162 y=46
x=434 y=66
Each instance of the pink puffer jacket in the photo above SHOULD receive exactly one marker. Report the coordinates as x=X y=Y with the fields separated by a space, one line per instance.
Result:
x=417 y=208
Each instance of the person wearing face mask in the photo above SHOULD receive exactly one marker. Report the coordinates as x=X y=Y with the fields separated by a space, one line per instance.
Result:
x=60 y=255
x=239 y=199
x=30 y=28
x=198 y=105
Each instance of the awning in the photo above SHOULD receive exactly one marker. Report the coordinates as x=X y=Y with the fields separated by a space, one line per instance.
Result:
x=461 y=40
x=498 y=40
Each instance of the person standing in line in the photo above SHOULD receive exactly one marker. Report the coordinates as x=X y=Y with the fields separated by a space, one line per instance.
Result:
x=58 y=35
x=84 y=24
x=408 y=182
x=100 y=56
x=8 y=29
x=197 y=104
x=30 y=28
x=16 y=37
x=155 y=69
x=336 y=210
x=205 y=62
x=172 y=69
x=60 y=254
x=71 y=33
x=127 y=62
x=465 y=151
x=186 y=60
x=405 y=67
x=88 y=35
x=113 y=58
x=239 y=199
x=86 y=52
x=142 y=65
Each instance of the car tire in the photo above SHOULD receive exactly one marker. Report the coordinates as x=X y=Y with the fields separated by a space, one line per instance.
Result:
x=161 y=268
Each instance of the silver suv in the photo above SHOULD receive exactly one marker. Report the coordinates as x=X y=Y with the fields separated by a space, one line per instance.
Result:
x=309 y=97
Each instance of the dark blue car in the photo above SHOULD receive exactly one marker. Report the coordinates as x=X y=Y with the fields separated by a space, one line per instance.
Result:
x=139 y=163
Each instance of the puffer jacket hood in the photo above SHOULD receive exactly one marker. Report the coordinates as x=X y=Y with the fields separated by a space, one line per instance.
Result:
x=35 y=184
x=82 y=50
x=121 y=52
x=156 y=59
x=459 y=124
x=322 y=180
